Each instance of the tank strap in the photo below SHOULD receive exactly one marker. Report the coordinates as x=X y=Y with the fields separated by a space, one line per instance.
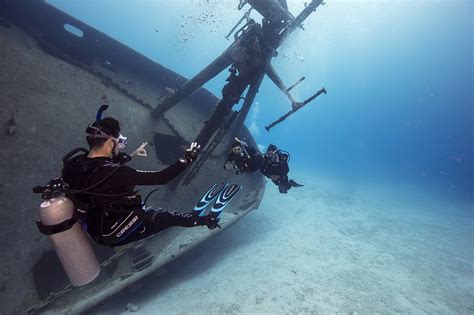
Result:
x=68 y=156
x=57 y=228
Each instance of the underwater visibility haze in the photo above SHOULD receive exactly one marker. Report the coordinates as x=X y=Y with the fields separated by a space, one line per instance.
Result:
x=398 y=75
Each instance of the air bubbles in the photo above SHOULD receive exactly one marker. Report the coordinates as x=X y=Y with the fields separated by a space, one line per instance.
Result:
x=299 y=56
x=201 y=18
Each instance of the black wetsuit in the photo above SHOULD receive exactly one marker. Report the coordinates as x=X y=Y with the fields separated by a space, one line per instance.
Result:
x=275 y=167
x=246 y=163
x=115 y=220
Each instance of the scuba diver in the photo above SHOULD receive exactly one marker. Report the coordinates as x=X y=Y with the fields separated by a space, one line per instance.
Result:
x=243 y=158
x=105 y=197
x=275 y=167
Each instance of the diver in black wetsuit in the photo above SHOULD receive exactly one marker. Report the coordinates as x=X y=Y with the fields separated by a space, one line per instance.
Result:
x=244 y=158
x=275 y=167
x=111 y=209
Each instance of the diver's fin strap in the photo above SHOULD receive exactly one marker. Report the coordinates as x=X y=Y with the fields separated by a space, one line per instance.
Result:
x=225 y=197
x=57 y=228
x=209 y=197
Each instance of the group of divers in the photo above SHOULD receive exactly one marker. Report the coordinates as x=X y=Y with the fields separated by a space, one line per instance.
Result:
x=101 y=186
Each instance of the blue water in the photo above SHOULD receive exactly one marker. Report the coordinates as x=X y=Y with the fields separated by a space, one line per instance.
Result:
x=399 y=77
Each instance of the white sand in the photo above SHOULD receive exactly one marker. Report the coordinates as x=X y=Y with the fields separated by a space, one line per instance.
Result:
x=322 y=249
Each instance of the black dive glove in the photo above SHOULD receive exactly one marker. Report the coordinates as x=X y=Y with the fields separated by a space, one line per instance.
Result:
x=190 y=154
x=210 y=220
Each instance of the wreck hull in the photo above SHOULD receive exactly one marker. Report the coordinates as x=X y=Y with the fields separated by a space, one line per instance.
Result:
x=52 y=83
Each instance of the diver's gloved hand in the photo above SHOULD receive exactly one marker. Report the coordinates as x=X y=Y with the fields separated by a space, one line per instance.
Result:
x=190 y=154
x=211 y=220
x=121 y=157
x=229 y=164
x=140 y=151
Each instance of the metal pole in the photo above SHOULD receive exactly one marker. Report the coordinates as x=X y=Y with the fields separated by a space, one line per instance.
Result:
x=295 y=109
x=249 y=98
x=213 y=69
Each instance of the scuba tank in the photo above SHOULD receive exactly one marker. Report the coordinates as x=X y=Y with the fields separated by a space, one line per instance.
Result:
x=58 y=219
x=70 y=242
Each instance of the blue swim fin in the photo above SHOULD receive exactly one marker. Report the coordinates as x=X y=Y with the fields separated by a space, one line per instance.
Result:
x=209 y=197
x=224 y=198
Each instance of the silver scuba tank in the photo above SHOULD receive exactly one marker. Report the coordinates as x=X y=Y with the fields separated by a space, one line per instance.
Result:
x=71 y=243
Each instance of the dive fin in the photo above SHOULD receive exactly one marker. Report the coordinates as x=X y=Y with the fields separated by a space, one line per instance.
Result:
x=295 y=184
x=225 y=198
x=209 y=197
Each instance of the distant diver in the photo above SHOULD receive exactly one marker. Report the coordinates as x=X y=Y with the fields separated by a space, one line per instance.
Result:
x=244 y=158
x=275 y=167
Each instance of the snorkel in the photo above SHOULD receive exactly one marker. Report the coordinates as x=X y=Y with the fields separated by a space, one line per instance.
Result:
x=100 y=111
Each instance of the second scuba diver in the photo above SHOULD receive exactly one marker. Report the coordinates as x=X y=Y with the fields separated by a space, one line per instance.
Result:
x=244 y=158
x=109 y=205
x=276 y=168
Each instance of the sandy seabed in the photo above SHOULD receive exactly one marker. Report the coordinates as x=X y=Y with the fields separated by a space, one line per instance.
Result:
x=322 y=249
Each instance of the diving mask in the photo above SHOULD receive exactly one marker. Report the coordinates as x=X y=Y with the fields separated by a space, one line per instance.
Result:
x=237 y=150
x=122 y=141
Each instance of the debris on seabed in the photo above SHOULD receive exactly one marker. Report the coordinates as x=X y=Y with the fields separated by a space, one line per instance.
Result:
x=10 y=126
